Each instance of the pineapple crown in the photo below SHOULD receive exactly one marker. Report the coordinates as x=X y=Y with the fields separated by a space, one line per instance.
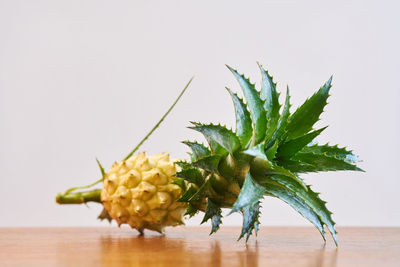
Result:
x=263 y=157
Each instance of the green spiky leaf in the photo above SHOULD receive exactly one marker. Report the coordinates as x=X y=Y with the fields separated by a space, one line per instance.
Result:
x=181 y=183
x=297 y=166
x=213 y=212
x=257 y=151
x=255 y=105
x=271 y=97
x=283 y=121
x=198 y=150
x=220 y=135
x=250 y=194
x=322 y=162
x=209 y=163
x=271 y=152
x=296 y=203
x=288 y=149
x=311 y=199
x=303 y=119
x=206 y=190
x=183 y=164
x=251 y=214
x=191 y=210
x=216 y=184
x=214 y=146
x=244 y=130
x=192 y=175
x=266 y=168
x=332 y=151
x=104 y=215
x=216 y=221
x=188 y=194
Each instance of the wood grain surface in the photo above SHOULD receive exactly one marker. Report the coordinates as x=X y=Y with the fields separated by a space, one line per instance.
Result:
x=192 y=246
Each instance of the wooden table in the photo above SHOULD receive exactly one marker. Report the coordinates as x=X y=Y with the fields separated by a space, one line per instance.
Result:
x=192 y=246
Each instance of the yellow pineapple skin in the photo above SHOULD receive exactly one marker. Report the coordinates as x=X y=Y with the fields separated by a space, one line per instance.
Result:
x=139 y=192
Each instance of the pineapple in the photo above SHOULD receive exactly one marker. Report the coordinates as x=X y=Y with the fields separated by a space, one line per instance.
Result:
x=140 y=191
x=263 y=157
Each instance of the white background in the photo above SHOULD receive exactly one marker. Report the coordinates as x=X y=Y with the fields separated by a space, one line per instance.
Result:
x=86 y=79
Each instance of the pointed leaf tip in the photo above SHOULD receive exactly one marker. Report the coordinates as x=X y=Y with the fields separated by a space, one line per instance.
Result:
x=250 y=220
x=220 y=135
x=208 y=163
x=244 y=129
x=303 y=119
x=255 y=105
x=213 y=212
x=250 y=194
x=198 y=150
x=284 y=192
x=271 y=98
x=290 y=148
x=103 y=173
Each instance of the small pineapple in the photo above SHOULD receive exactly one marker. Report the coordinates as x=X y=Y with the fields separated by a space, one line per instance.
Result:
x=263 y=157
x=140 y=191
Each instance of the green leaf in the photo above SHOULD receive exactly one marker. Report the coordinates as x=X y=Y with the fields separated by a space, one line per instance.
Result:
x=288 y=149
x=234 y=168
x=217 y=184
x=183 y=164
x=250 y=220
x=205 y=190
x=214 y=146
x=332 y=151
x=303 y=119
x=296 y=166
x=159 y=122
x=181 y=183
x=257 y=151
x=103 y=173
x=250 y=194
x=104 y=215
x=271 y=152
x=262 y=167
x=243 y=120
x=312 y=200
x=215 y=223
x=283 y=121
x=191 y=210
x=198 y=150
x=188 y=194
x=322 y=162
x=213 y=212
x=192 y=175
x=220 y=135
x=282 y=171
x=255 y=104
x=209 y=163
x=296 y=203
x=271 y=97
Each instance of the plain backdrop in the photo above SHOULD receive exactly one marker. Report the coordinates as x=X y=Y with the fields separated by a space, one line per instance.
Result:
x=87 y=79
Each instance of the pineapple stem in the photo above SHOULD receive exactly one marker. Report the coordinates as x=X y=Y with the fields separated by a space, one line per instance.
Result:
x=160 y=121
x=79 y=197
x=82 y=187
